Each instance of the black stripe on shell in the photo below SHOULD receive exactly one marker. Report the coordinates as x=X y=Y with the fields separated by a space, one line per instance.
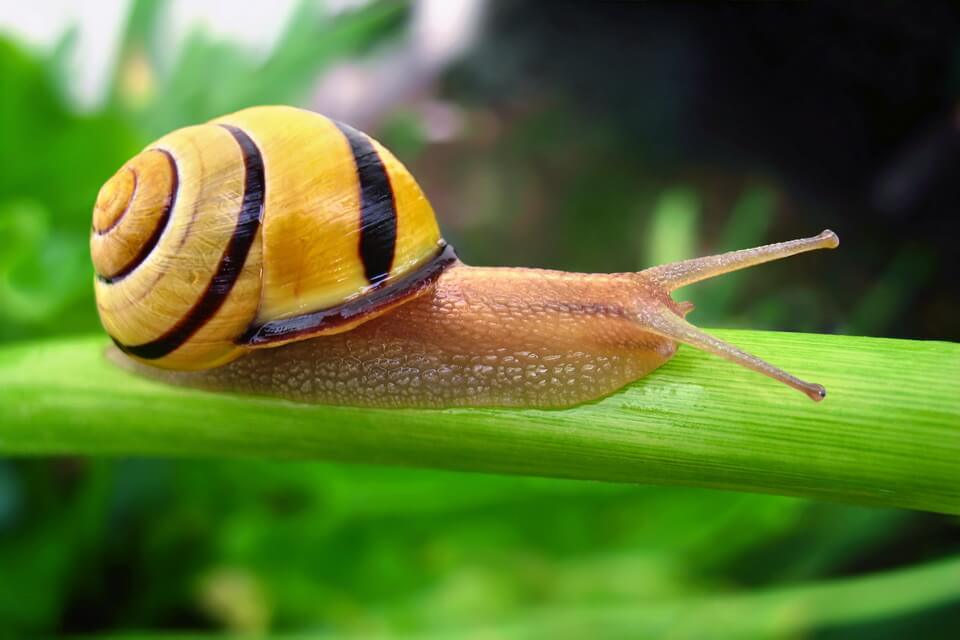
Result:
x=378 y=207
x=231 y=262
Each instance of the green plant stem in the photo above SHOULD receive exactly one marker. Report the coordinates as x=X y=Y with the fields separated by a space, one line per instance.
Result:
x=887 y=434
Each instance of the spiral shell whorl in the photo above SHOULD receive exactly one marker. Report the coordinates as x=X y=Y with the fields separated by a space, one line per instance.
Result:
x=131 y=212
x=194 y=284
x=114 y=199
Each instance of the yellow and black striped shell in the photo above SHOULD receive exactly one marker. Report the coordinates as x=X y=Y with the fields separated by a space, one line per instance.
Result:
x=269 y=225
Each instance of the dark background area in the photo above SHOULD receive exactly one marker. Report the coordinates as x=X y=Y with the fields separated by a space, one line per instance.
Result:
x=849 y=109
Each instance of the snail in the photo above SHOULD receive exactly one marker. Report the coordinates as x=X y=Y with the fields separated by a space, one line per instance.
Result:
x=277 y=252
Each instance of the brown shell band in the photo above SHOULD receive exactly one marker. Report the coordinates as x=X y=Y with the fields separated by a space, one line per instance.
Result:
x=385 y=295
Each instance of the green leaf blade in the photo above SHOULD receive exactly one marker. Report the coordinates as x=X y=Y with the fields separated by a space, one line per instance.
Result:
x=887 y=434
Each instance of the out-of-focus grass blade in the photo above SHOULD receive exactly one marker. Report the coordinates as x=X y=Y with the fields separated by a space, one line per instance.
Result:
x=747 y=227
x=209 y=77
x=888 y=433
x=673 y=228
x=893 y=290
x=774 y=613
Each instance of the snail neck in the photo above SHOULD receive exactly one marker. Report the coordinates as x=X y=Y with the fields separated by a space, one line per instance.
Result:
x=519 y=288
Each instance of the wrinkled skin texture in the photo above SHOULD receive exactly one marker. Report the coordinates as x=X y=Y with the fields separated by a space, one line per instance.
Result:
x=480 y=337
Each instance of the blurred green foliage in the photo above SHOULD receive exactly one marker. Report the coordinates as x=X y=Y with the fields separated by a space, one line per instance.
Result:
x=126 y=545
x=45 y=191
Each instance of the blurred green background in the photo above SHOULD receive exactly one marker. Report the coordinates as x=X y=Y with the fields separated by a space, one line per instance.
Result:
x=582 y=136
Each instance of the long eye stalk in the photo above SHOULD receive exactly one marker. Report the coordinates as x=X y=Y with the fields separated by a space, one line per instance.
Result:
x=667 y=323
x=679 y=274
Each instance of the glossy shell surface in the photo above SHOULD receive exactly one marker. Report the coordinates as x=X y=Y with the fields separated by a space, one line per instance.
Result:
x=266 y=226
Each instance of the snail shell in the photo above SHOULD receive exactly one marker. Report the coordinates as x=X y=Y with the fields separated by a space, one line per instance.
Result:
x=269 y=225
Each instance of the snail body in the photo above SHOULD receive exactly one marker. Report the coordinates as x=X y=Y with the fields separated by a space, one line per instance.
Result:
x=277 y=252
